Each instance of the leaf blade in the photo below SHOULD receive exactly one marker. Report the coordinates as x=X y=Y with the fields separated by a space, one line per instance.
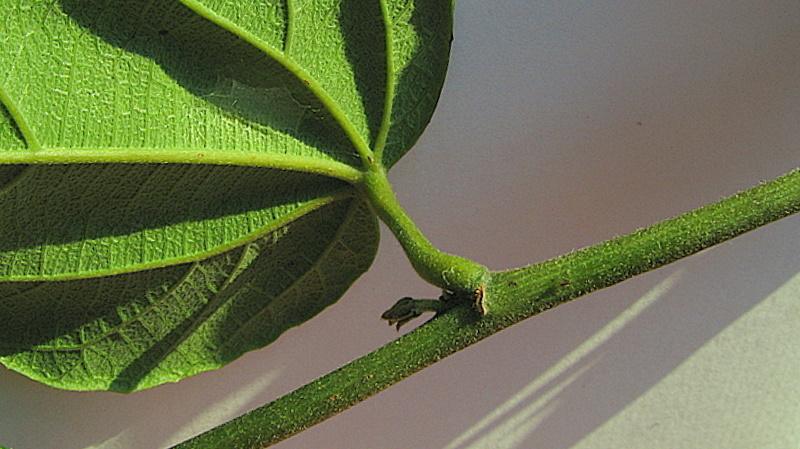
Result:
x=233 y=125
x=105 y=85
x=74 y=221
x=138 y=45
x=155 y=332
x=421 y=33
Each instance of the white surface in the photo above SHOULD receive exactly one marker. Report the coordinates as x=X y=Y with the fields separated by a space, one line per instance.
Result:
x=561 y=124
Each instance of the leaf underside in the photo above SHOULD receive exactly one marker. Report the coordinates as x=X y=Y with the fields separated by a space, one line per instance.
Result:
x=177 y=178
x=144 y=328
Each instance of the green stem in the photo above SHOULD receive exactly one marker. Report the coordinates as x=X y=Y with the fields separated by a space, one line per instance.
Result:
x=514 y=295
x=446 y=271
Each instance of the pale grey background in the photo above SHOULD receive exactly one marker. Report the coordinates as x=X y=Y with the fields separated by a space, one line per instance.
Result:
x=562 y=123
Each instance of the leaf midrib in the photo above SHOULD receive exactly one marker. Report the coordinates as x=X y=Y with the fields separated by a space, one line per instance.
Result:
x=57 y=155
x=383 y=132
x=329 y=168
x=341 y=194
x=212 y=305
x=369 y=157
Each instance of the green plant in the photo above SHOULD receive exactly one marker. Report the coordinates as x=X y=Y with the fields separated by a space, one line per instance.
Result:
x=454 y=330
x=210 y=249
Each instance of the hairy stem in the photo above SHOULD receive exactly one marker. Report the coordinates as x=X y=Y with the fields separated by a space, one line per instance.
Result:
x=446 y=271
x=513 y=296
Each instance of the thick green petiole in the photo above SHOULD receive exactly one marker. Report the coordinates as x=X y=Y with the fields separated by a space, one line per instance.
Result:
x=462 y=277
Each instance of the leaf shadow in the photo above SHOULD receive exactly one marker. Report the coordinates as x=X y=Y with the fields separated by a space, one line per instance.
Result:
x=60 y=204
x=365 y=42
x=67 y=204
x=215 y=64
x=137 y=330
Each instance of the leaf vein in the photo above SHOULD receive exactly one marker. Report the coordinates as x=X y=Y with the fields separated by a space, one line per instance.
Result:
x=386 y=119
x=19 y=121
x=301 y=74
x=299 y=280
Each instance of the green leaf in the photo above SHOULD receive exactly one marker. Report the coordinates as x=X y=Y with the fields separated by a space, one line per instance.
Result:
x=179 y=181
x=138 y=330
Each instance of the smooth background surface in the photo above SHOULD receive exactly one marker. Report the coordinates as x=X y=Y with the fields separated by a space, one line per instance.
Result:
x=561 y=124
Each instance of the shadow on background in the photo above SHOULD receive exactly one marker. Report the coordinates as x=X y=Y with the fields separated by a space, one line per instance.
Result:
x=621 y=362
